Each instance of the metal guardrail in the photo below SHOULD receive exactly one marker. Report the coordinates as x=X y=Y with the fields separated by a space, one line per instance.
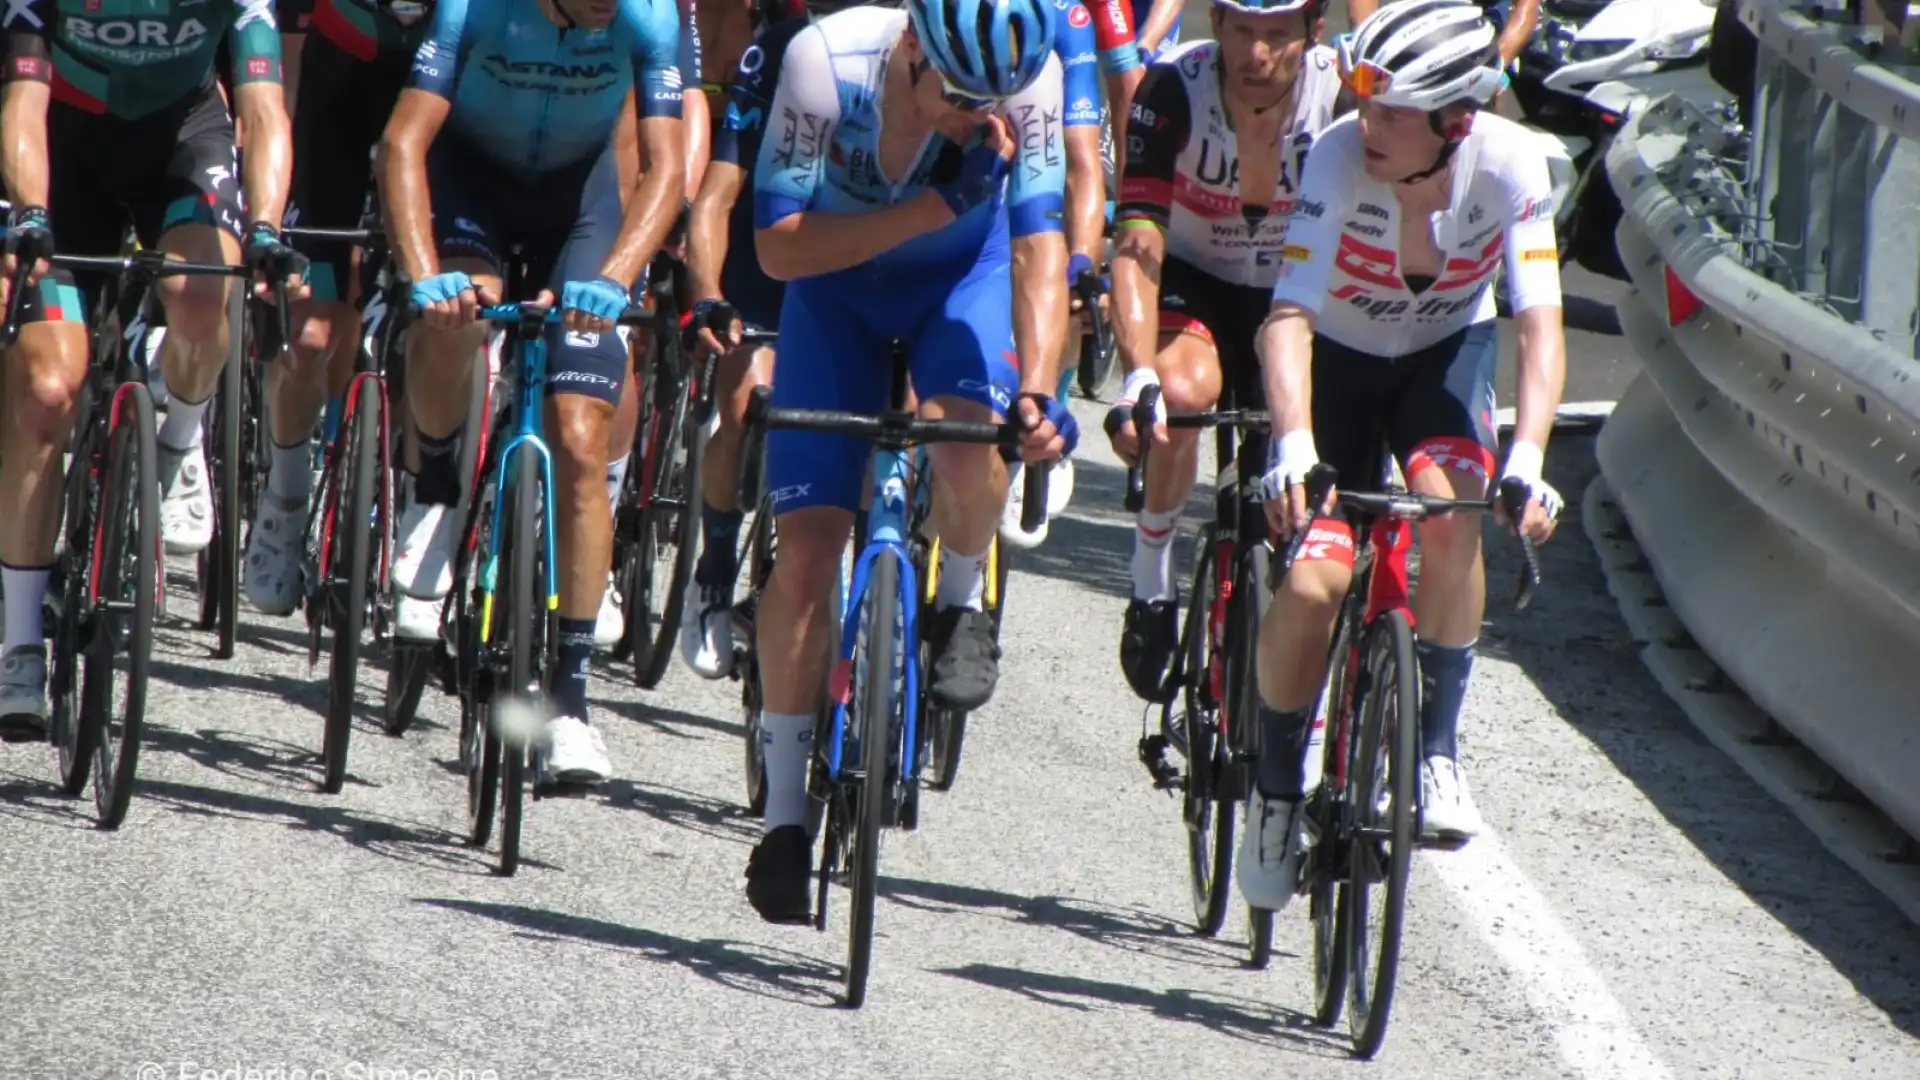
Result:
x=1768 y=458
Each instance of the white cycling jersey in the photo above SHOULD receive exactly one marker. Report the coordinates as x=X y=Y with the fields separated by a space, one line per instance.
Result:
x=1342 y=255
x=1183 y=163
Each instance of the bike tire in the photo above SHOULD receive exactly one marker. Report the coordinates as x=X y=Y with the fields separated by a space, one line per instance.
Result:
x=877 y=734
x=1327 y=898
x=1208 y=819
x=526 y=619
x=219 y=561
x=759 y=569
x=672 y=515
x=72 y=738
x=1392 y=701
x=128 y=557
x=407 y=672
x=1251 y=596
x=345 y=592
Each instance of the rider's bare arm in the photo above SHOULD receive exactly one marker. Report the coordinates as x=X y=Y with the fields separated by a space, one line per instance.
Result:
x=1086 y=192
x=401 y=167
x=1522 y=17
x=23 y=161
x=707 y=227
x=1156 y=133
x=267 y=160
x=1286 y=366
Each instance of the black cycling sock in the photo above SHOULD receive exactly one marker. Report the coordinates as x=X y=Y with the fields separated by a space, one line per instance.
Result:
x=438 y=482
x=1283 y=740
x=719 y=543
x=1443 y=684
x=570 y=667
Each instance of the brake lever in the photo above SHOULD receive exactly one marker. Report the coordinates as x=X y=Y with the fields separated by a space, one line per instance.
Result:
x=752 y=435
x=1514 y=496
x=1142 y=416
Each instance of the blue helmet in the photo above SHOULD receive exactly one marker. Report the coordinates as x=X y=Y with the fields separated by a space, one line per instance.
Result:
x=985 y=48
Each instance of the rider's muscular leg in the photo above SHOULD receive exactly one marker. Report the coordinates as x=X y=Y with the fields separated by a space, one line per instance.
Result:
x=736 y=376
x=626 y=418
x=1293 y=664
x=195 y=354
x=440 y=364
x=43 y=376
x=583 y=535
x=1189 y=369
x=970 y=488
x=1450 y=602
x=791 y=636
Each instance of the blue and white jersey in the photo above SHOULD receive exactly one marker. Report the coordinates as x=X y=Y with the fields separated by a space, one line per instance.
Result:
x=821 y=149
x=537 y=100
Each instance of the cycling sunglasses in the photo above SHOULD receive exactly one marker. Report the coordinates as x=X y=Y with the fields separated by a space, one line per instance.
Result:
x=1364 y=77
x=962 y=100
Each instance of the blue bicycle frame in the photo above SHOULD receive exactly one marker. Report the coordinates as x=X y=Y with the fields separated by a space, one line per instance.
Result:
x=887 y=530
x=529 y=360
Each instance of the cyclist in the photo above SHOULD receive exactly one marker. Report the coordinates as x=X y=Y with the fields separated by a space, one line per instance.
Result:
x=940 y=96
x=341 y=88
x=721 y=261
x=1219 y=134
x=110 y=117
x=531 y=92
x=1383 y=331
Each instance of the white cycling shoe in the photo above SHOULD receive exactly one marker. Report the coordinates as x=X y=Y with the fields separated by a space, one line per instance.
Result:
x=1449 y=813
x=706 y=630
x=1059 y=495
x=572 y=752
x=1274 y=838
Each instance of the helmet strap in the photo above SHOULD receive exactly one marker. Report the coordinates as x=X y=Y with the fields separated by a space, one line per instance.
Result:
x=1454 y=132
x=1439 y=162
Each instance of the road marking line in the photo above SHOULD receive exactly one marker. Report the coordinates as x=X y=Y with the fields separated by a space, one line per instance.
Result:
x=1594 y=1033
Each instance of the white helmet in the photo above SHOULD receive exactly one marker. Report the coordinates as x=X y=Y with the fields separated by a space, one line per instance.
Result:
x=1423 y=54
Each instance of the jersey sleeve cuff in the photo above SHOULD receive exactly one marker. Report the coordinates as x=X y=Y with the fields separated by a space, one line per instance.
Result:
x=770 y=209
x=1041 y=214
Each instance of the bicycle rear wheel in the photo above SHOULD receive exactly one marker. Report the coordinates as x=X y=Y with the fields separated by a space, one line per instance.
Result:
x=127 y=554
x=1247 y=610
x=874 y=673
x=345 y=592
x=219 y=561
x=1381 y=793
x=668 y=526
x=1327 y=897
x=474 y=675
x=1209 y=819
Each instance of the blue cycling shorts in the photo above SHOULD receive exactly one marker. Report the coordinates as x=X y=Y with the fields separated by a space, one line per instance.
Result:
x=565 y=223
x=836 y=333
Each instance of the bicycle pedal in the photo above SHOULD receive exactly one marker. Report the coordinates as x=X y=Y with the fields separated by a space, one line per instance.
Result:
x=544 y=788
x=17 y=732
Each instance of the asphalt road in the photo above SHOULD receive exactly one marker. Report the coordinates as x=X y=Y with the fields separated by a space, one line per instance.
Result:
x=1640 y=909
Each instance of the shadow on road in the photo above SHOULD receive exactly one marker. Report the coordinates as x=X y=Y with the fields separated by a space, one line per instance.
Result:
x=667 y=721
x=246 y=757
x=1092 y=544
x=405 y=841
x=738 y=965
x=1132 y=929
x=37 y=798
x=1236 y=1017
x=690 y=810
x=1574 y=647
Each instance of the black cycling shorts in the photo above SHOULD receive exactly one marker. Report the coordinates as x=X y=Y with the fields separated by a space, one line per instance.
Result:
x=343 y=109
x=564 y=223
x=168 y=168
x=1431 y=408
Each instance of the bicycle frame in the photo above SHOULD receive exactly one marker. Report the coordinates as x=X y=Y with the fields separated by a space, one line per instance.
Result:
x=887 y=532
x=530 y=374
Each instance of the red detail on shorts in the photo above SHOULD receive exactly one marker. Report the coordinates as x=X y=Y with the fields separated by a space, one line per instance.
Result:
x=1112 y=24
x=1175 y=322
x=1453 y=453
x=1146 y=189
x=66 y=93
x=1328 y=540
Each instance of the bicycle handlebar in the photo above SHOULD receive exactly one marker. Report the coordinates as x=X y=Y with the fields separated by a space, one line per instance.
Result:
x=1512 y=496
x=1142 y=416
x=898 y=429
x=356 y=237
x=147 y=262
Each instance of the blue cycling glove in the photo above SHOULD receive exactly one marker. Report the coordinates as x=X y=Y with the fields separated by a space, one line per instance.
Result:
x=982 y=170
x=602 y=298
x=1079 y=264
x=447 y=286
x=1060 y=417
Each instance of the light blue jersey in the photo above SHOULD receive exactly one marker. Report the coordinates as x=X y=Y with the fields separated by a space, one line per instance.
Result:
x=537 y=99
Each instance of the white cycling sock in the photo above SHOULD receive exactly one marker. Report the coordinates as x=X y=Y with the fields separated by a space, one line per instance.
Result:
x=26 y=587
x=181 y=429
x=963 y=580
x=1153 y=554
x=786 y=743
x=616 y=475
x=290 y=476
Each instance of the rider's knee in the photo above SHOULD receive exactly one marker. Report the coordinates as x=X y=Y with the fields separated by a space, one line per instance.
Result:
x=196 y=305
x=964 y=466
x=46 y=392
x=1450 y=468
x=1185 y=390
x=313 y=342
x=811 y=543
x=580 y=435
x=1312 y=589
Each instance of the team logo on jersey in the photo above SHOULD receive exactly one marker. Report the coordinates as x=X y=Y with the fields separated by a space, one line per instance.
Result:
x=1539 y=255
x=1536 y=209
x=1077 y=16
x=20 y=13
x=1373 y=265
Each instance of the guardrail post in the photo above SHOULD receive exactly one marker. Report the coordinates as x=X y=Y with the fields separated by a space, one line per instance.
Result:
x=1850 y=212
x=1792 y=118
x=1890 y=275
x=1820 y=176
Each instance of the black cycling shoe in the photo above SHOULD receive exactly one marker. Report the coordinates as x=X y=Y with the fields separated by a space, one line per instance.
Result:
x=1147 y=639
x=780 y=876
x=966 y=659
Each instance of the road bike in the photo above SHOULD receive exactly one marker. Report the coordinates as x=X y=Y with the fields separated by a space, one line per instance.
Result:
x=868 y=751
x=108 y=577
x=503 y=654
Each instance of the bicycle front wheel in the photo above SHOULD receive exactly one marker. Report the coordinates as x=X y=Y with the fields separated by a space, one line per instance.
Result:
x=669 y=529
x=1209 y=818
x=127 y=553
x=1381 y=791
x=526 y=623
x=759 y=569
x=346 y=580
x=220 y=560
x=876 y=668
